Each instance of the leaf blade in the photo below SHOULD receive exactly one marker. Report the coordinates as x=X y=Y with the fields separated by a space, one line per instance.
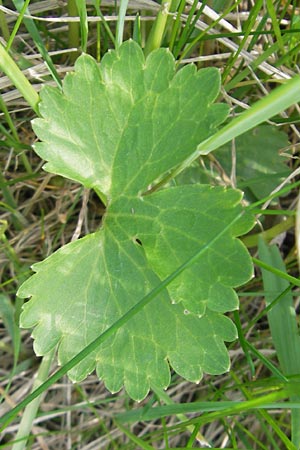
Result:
x=114 y=129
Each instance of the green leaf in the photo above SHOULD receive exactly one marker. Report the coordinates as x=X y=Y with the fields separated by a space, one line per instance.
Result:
x=259 y=165
x=117 y=128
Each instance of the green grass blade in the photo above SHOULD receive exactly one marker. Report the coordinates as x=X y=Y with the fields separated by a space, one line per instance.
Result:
x=203 y=34
x=3 y=25
x=274 y=270
x=73 y=30
x=275 y=23
x=10 y=68
x=285 y=333
x=33 y=31
x=254 y=12
x=273 y=369
x=243 y=342
x=137 y=34
x=214 y=409
x=164 y=397
x=158 y=29
x=120 y=22
x=281 y=98
x=176 y=24
x=252 y=239
x=104 y=22
x=254 y=65
x=17 y=25
x=81 y=7
x=188 y=27
x=265 y=419
x=277 y=194
x=277 y=101
x=283 y=325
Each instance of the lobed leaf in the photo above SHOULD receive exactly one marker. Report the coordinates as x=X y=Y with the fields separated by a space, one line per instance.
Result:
x=116 y=128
